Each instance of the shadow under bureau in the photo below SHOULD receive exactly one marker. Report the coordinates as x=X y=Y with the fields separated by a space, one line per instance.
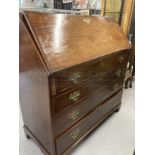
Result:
x=72 y=71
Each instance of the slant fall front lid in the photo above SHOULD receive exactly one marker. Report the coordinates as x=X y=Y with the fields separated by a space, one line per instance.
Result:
x=66 y=40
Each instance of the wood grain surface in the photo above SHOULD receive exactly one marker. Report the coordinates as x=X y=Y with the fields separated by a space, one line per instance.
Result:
x=34 y=92
x=68 y=78
x=74 y=133
x=70 y=40
x=72 y=69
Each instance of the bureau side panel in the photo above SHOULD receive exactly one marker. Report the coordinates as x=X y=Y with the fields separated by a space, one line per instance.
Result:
x=34 y=92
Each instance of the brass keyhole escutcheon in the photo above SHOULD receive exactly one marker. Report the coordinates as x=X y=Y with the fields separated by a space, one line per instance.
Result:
x=74 y=96
x=121 y=59
x=53 y=86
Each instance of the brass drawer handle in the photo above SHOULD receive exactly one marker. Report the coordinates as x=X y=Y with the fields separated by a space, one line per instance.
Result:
x=102 y=64
x=75 y=77
x=118 y=72
x=100 y=78
x=121 y=59
x=116 y=86
x=101 y=75
x=74 y=96
x=75 y=133
x=73 y=115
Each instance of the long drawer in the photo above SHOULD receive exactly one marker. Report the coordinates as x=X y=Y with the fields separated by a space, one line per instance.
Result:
x=82 y=90
x=71 y=115
x=68 y=78
x=73 y=134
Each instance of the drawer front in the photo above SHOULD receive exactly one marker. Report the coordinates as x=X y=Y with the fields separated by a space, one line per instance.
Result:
x=82 y=90
x=74 y=133
x=74 y=75
x=70 y=116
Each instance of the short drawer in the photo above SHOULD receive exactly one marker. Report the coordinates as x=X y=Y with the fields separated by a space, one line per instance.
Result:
x=73 y=134
x=82 y=90
x=71 y=115
x=68 y=78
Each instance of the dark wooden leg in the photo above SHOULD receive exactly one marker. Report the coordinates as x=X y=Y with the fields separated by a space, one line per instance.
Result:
x=118 y=109
x=130 y=85
x=29 y=135
x=26 y=134
x=133 y=73
x=126 y=84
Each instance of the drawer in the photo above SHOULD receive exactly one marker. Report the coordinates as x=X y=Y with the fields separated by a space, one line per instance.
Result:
x=73 y=134
x=71 y=115
x=83 y=89
x=74 y=75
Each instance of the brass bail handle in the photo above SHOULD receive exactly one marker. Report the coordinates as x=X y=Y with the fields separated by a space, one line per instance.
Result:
x=75 y=133
x=74 y=115
x=74 y=96
x=75 y=77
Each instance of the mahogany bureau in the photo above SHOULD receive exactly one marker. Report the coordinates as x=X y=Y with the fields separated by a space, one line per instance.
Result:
x=72 y=71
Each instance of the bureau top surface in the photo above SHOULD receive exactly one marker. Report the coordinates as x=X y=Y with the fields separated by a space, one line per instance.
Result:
x=66 y=41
